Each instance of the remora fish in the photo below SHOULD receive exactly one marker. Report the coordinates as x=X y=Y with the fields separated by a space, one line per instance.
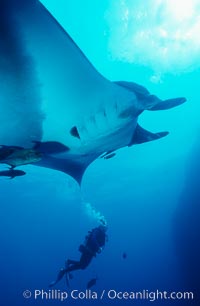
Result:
x=14 y=156
x=51 y=92
x=18 y=156
x=12 y=173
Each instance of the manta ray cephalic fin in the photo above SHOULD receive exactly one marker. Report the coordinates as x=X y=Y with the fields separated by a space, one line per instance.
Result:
x=167 y=104
x=139 y=90
x=141 y=135
x=150 y=102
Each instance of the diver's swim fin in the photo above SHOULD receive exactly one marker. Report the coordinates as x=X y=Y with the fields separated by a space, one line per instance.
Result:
x=59 y=277
x=67 y=274
x=52 y=284
x=70 y=275
x=67 y=280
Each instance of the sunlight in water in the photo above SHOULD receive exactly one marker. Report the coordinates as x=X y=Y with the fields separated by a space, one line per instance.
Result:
x=181 y=9
x=160 y=34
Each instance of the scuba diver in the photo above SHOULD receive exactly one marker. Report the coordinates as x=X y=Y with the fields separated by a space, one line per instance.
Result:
x=94 y=244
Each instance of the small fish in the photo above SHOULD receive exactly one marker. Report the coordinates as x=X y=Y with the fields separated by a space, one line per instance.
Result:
x=19 y=156
x=5 y=151
x=124 y=255
x=92 y=282
x=12 y=173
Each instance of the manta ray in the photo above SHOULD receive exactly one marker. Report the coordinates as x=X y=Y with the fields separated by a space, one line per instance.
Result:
x=51 y=93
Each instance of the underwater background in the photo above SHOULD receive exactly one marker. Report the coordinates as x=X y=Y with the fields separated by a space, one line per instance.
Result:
x=149 y=194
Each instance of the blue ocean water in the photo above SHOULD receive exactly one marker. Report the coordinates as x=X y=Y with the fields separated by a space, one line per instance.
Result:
x=149 y=194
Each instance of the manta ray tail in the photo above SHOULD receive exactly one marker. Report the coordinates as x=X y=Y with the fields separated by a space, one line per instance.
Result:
x=141 y=135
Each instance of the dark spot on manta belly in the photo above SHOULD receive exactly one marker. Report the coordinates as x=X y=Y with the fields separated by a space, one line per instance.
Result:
x=74 y=132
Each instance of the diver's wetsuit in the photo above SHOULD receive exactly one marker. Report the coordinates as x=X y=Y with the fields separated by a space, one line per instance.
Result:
x=94 y=242
x=84 y=261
